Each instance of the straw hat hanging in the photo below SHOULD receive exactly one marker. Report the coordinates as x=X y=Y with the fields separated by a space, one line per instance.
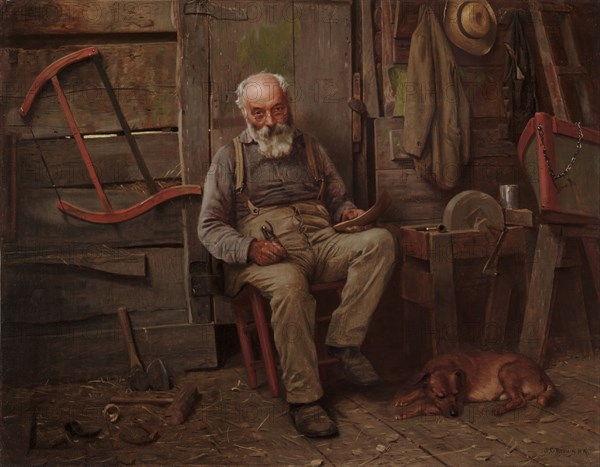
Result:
x=470 y=25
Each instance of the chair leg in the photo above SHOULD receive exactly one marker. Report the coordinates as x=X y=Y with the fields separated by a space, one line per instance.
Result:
x=266 y=347
x=246 y=346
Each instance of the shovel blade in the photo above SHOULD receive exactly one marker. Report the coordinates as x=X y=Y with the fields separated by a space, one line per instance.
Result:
x=158 y=377
x=138 y=380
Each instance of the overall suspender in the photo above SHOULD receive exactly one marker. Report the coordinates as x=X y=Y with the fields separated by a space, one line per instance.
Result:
x=239 y=171
x=239 y=175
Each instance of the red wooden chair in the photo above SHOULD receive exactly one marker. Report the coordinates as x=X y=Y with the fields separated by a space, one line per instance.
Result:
x=250 y=298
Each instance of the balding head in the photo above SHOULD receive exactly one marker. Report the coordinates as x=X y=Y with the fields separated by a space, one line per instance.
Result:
x=260 y=86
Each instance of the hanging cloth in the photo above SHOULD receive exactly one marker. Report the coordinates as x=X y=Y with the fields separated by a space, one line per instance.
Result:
x=518 y=81
x=436 y=120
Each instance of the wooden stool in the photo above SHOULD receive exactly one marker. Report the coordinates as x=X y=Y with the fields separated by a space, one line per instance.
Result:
x=250 y=297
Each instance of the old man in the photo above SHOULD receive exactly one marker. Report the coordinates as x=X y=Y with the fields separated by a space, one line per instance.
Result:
x=270 y=199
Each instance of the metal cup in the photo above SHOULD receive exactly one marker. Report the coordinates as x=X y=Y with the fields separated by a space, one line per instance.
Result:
x=509 y=196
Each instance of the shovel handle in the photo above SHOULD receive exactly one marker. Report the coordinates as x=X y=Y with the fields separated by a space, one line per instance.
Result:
x=134 y=360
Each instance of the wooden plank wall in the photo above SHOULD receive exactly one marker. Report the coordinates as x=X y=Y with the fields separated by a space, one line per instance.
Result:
x=494 y=157
x=63 y=278
x=309 y=42
x=494 y=160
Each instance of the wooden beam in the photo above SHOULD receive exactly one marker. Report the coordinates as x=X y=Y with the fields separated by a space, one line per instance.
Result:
x=193 y=79
x=538 y=311
x=444 y=323
x=369 y=71
x=387 y=55
x=66 y=17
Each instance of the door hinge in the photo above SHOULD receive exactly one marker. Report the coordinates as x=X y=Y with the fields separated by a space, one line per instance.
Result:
x=204 y=7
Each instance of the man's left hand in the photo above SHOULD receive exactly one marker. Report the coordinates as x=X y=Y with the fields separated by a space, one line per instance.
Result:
x=353 y=213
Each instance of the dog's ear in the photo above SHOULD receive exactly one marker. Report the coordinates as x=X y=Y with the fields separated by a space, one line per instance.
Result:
x=422 y=379
x=461 y=378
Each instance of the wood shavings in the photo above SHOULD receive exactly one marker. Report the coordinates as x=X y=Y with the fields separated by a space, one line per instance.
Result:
x=483 y=456
x=262 y=423
x=111 y=413
x=548 y=419
x=239 y=386
x=255 y=452
x=291 y=440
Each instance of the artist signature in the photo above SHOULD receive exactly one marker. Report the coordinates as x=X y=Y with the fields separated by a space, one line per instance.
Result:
x=567 y=451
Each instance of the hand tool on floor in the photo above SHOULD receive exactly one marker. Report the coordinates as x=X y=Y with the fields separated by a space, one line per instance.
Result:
x=139 y=431
x=182 y=406
x=156 y=377
x=152 y=399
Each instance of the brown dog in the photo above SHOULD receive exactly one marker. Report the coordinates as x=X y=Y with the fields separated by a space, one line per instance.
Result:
x=450 y=380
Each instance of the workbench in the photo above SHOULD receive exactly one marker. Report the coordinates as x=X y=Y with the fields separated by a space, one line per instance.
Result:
x=427 y=278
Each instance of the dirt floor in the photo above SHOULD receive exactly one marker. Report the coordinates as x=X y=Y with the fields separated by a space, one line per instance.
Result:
x=234 y=425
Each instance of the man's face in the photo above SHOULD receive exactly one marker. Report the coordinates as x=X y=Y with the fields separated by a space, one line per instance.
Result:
x=265 y=103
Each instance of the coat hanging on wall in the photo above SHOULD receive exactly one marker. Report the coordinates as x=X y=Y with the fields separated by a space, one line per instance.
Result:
x=436 y=122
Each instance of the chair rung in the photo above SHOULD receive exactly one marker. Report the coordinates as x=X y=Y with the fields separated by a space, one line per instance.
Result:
x=328 y=361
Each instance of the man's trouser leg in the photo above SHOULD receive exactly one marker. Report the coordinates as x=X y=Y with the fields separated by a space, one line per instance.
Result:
x=293 y=319
x=366 y=260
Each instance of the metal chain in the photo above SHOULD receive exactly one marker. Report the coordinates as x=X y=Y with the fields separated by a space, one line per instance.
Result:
x=573 y=158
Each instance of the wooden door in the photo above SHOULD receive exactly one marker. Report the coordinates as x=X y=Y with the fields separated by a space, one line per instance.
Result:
x=309 y=43
x=224 y=41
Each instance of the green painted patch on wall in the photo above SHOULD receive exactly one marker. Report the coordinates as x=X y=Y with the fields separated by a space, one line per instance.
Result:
x=269 y=48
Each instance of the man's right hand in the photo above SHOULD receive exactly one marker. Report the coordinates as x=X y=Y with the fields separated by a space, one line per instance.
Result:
x=266 y=252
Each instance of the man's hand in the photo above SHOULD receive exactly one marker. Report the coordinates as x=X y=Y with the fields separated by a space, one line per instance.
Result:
x=351 y=213
x=266 y=252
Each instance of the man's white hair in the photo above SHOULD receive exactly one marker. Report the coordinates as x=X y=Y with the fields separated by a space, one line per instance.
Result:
x=251 y=79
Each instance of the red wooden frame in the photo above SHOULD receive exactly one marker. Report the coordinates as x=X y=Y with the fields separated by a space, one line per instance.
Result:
x=548 y=195
x=109 y=215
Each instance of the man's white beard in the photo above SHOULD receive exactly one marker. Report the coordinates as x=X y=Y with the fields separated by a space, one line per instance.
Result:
x=273 y=142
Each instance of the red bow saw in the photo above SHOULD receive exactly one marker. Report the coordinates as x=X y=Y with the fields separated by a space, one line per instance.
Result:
x=109 y=215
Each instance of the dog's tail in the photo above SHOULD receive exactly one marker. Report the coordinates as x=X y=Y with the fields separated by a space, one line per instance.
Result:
x=549 y=393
